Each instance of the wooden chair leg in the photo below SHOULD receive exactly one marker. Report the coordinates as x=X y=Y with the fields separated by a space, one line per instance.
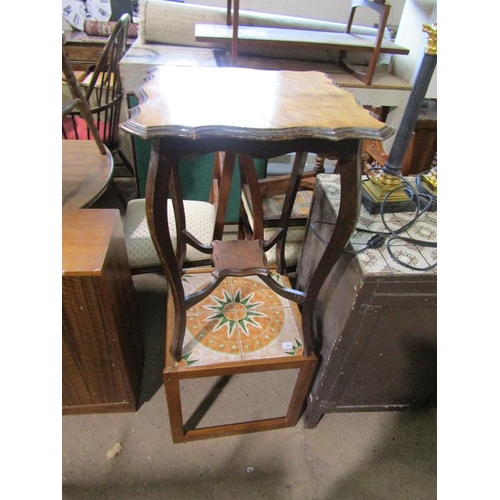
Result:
x=131 y=168
x=180 y=434
x=383 y=10
x=319 y=167
x=300 y=392
x=173 y=395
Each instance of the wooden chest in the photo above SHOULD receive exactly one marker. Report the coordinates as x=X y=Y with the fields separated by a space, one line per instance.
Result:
x=101 y=353
x=375 y=320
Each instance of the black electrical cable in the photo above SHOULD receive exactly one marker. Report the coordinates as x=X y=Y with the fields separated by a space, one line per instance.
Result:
x=376 y=241
x=417 y=198
x=422 y=200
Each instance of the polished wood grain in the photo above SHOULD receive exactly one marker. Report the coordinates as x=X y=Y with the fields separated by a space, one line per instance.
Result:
x=380 y=81
x=101 y=351
x=86 y=173
x=239 y=258
x=86 y=240
x=143 y=56
x=250 y=104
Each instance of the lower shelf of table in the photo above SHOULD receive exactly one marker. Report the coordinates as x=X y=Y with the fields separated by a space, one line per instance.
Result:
x=242 y=320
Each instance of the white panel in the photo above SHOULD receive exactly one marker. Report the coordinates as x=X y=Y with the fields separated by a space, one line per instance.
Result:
x=415 y=14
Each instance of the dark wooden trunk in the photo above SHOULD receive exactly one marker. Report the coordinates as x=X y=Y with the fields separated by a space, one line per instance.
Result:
x=376 y=332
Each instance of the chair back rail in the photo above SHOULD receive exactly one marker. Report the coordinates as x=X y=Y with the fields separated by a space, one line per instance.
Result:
x=102 y=88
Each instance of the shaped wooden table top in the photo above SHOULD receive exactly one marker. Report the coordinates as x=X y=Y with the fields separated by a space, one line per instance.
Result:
x=194 y=102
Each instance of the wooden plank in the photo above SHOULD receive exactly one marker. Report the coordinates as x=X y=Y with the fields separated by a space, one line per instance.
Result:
x=85 y=240
x=279 y=36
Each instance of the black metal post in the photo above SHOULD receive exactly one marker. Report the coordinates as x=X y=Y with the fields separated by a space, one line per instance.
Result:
x=410 y=115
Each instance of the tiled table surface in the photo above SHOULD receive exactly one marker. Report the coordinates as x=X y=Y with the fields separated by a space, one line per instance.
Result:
x=241 y=320
x=375 y=260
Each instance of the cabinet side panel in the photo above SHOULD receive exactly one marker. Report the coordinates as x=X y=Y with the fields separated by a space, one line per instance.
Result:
x=89 y=365
x=398 y=366
x=120 y=301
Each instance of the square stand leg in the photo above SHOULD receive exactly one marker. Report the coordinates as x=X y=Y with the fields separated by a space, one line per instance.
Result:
x=175 y=372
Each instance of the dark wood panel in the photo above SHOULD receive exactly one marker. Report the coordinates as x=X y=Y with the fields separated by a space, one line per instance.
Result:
x=89 y=343
x=376 y=331
x=396 y=368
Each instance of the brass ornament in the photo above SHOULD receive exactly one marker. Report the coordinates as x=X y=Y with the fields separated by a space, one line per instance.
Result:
x=431 y=179
x=432 y=35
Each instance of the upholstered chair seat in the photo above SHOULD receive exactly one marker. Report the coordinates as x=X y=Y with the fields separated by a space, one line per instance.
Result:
x=200 y=222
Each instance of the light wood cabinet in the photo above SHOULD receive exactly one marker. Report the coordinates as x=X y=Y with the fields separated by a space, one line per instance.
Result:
x=101 y=351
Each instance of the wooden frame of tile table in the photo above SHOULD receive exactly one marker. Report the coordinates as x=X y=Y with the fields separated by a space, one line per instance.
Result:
x=283 y=351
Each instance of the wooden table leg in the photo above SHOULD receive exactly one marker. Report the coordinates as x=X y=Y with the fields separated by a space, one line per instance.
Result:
x=157 y=217
x=350 y=198
x=173 y=395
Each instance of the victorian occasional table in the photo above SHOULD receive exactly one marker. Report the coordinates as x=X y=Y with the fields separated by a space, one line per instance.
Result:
x=246 y=114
